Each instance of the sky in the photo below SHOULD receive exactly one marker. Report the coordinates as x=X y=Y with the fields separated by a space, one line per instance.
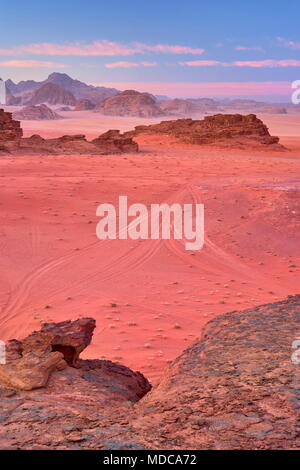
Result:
x=175 y=48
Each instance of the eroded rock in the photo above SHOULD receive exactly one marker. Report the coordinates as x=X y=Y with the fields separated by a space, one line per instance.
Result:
x=10 y=132
x=220 y=129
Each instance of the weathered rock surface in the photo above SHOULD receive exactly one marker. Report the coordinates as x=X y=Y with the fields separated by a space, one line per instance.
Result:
x=30 y=371
x=10 y=132
x=36 y=113
x=130 y=103
x=220 y=129
x=235 y=388
x=70 y=338
x=84 y=105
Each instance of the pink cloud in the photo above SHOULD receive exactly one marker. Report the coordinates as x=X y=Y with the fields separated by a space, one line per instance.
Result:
x=248 y=48
x=270 y=63
x=98 y=48
x=201 y=63
x=188 y=89
x=31 y=64
x=130 y=64
x=287 y=43
x=267 y=63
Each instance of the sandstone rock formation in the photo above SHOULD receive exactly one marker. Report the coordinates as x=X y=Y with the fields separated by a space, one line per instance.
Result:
x=10 y=132
x=84 y=105
x=178 y=107
x=36 y=113
x=237 y=387
x=115 y=142
x=30 y=362
x=109 y=142
x=51 y=94
x=130 y=103
x=220 y=129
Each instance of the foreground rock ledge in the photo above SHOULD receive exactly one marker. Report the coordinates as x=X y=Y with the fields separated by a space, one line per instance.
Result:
x=234 y=130
x=235 y=388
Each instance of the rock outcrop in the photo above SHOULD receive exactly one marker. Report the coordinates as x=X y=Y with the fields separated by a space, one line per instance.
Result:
x=130 y=103
x=111 y=142
x=30 y=362
x=10 y=132
x=11 y=141
x=36 y=113
x=220 y=129
x=51 y=94
x=237 y=387
x=84 y=105
x=115 y=142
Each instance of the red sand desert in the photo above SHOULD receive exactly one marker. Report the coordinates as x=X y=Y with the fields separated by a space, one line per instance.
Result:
x=150 y=298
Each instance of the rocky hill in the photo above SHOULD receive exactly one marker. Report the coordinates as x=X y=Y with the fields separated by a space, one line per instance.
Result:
x=237 y=387
x=36 y=113
x=51 y=94
x=233 y=130
x=130 y=103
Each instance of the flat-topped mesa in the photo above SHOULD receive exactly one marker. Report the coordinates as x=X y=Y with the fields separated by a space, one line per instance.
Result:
x=10 y=132
x=220 y=129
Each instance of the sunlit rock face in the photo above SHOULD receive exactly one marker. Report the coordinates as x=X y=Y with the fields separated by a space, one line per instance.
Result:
x=10 y=132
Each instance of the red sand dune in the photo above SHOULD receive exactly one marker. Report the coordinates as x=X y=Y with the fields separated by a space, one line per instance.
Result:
x=150 y=298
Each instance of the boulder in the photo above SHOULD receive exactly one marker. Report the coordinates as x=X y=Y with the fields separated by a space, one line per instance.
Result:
x=114 y=142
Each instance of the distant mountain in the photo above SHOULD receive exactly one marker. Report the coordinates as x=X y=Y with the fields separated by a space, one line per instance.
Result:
x=19 y=88
x=51 y=94
x=79 y=90
x=179 y=107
